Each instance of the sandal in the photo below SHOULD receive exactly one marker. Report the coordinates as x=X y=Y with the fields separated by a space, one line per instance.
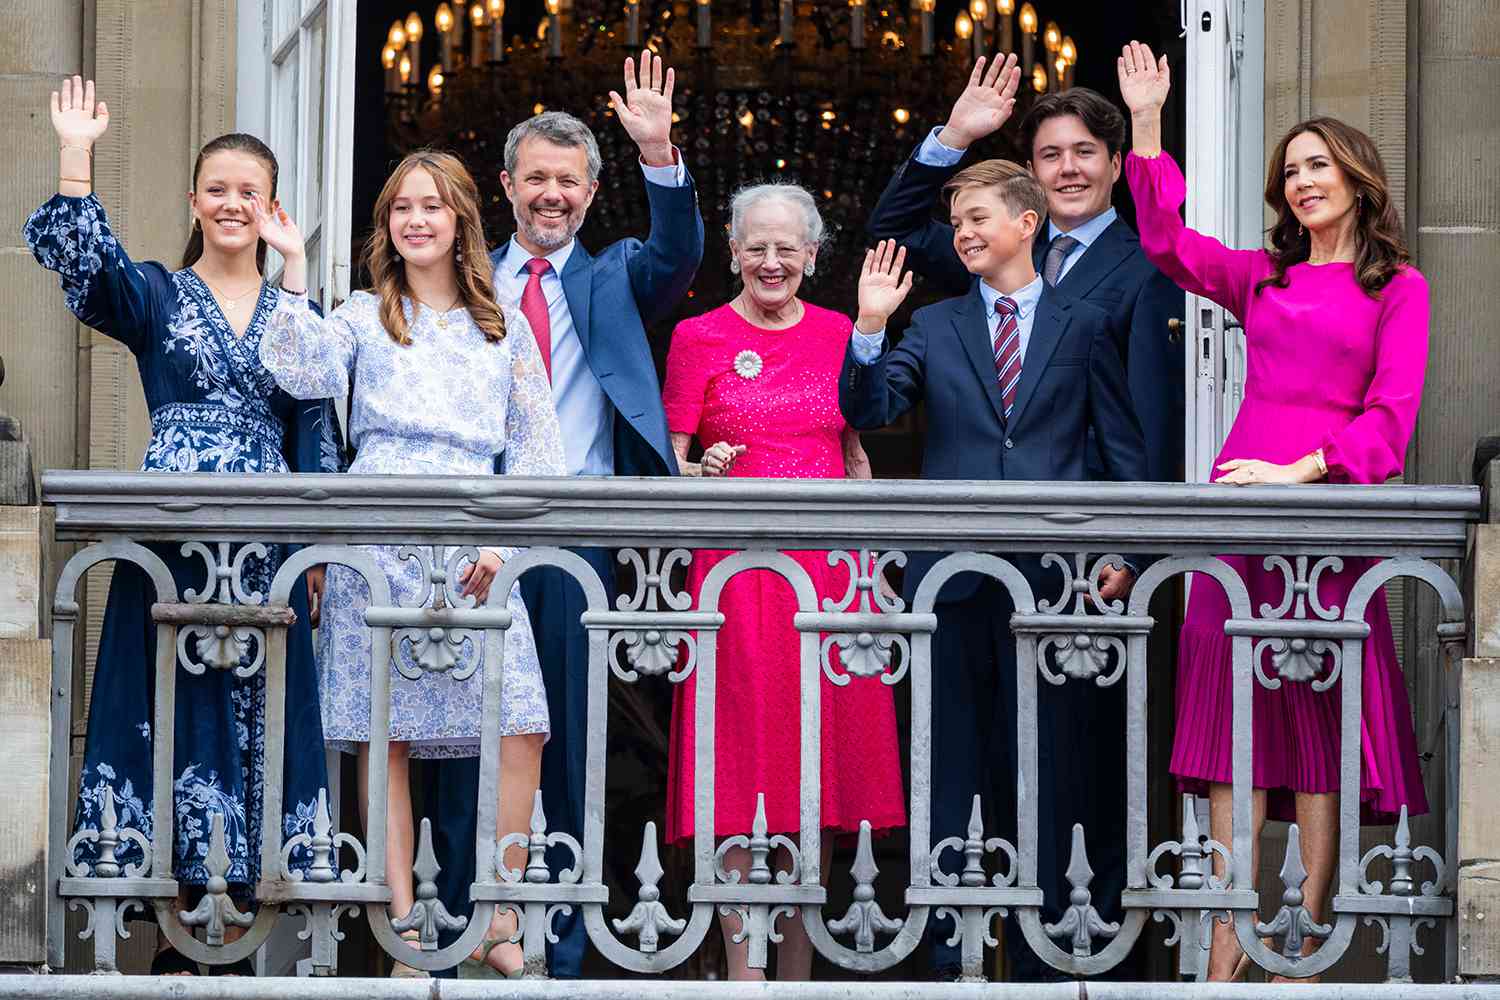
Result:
x=171 y=962
x=400 y=970
x=480 y=968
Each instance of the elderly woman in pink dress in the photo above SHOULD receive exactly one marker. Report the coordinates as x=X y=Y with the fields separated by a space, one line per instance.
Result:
x=1335 y=325
x=756 y=381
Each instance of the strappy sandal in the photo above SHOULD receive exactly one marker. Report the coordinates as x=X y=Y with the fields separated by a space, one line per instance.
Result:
x=400 y=970
x=480 y=968
x=171 y=962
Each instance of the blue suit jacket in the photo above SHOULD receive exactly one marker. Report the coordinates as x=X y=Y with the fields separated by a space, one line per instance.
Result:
x=613 y=297
x=1112 y=274
x=1072 y=382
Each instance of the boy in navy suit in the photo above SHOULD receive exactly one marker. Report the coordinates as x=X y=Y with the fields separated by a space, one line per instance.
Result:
x=1015 y=375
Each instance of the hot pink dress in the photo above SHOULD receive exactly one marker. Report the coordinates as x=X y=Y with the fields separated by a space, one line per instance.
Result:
x=1328 y=367
x=788 y=415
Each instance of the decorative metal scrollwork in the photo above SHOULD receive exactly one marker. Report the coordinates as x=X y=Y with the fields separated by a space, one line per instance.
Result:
x=865 y=653
x=1087 y=651
x=654 y=651
x=321 y=843
x=760 y=846
x=536 y=844
x=216 y=910
x=1196 y=852
x=649 y=919
x=108 y=837
x=1293 y=923
x=1297 y=660
x=974 y=848
x=226 y=574
x=438 y=649
x=864 y=918
x=427 y=916
x=1081 y=922
x=222 y=647
x=1398 y=939
x=653 y=580
x=1301 y=587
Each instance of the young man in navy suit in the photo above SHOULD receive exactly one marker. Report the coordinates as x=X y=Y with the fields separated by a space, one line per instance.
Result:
x=1015 y=376
x=1073 y=140
x=589 y=314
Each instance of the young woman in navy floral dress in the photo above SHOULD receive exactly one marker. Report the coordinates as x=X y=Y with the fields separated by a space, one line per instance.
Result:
x=195 y=333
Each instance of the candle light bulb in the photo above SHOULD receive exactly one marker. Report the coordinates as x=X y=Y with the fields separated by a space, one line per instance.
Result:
x=435 y=79
x=396 y=37
x=901 y=115
x=497 y=10
x=927 y=6
x=963 y=25
x=856 y=3
x=1006 y=7
x=1028 y=19
x=1052 y=37
x=413 y=27
x=443 y=18
x=476 y=15
x=1068 y=51
x=406 y=69
x=553 y=6
x=978 y=10
x=1039 y=79
x=388 y=57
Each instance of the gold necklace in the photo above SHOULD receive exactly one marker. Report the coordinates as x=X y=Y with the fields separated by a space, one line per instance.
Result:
x=229 y=304
x=442 y=316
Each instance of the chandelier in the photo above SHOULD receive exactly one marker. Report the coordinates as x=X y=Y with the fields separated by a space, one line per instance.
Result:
x=829 y=94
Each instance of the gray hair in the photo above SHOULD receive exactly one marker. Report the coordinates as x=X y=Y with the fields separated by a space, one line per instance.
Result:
x=794 y=195
x=557 y=127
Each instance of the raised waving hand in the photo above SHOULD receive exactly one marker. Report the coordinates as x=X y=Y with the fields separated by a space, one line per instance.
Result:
x=1145 y=82
x=281 y=234
x=77 y=119
x=882 y=286
x=646 y=108
x=985 y=104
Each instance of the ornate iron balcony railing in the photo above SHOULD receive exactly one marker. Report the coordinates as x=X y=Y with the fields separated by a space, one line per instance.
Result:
x=1078 y=528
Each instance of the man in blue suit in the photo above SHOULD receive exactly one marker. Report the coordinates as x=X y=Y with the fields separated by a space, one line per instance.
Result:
x=1015 y=375
x=1073 y=139
x=589 y=314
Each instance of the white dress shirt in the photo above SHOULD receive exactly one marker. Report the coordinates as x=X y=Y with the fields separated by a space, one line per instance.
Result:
x=935 y=154
x=583 y=410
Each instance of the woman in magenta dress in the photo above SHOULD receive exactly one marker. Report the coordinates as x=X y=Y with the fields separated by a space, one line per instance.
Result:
x=1336 y=331
x=756 y=381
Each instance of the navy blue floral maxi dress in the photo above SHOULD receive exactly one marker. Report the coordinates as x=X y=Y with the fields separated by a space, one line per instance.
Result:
x=214 y=408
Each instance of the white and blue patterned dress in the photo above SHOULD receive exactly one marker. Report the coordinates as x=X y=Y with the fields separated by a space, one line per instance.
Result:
x=448 y=403
x=214 y=408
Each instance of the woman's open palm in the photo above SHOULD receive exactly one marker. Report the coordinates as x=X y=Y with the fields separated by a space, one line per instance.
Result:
x=1145 y=80
x=77 y=120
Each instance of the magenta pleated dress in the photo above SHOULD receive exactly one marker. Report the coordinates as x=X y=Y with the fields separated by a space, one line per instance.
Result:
x=775 y=391
x=1328 y=367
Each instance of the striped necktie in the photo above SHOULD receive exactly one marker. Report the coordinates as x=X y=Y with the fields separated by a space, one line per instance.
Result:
x=1008 y=351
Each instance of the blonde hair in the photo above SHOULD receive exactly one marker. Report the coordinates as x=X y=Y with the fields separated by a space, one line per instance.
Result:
x=387 y=269
x=1016 y=186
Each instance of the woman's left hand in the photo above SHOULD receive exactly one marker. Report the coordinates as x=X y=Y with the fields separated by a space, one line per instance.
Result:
x=316 y=578
x=719 y=458
x=477 y=577
x=1254 y=472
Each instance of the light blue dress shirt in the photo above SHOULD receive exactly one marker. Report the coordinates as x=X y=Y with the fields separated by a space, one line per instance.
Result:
x=867 y=346
x=934 y=154
x=583 y=410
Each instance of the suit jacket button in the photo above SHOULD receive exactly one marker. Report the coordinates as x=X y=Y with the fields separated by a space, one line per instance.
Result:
x=1009 y=443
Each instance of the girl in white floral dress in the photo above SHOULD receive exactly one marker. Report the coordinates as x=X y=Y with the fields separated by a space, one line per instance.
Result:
x=444 y=383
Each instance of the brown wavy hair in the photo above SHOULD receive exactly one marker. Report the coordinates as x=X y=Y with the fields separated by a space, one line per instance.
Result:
x=234 y=142
x=1379 y=240
x=387 y=268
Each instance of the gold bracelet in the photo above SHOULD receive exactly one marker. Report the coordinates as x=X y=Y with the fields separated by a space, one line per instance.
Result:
x=78 y=180
x=1322 y=465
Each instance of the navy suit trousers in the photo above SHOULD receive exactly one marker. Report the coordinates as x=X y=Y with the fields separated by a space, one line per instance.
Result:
x=554 y=602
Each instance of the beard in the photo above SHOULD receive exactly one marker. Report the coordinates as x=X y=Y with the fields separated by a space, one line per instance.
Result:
x=552 y=237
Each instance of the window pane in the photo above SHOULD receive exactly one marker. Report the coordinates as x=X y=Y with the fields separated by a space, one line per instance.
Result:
x=312 y=51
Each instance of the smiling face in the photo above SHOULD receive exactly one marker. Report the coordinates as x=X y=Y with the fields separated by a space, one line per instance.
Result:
x=422 y=225
x=1075 y=168
x=986 y=234
x=226 y=184
x=1316 y=187
x=550 y=193
x=772 y=251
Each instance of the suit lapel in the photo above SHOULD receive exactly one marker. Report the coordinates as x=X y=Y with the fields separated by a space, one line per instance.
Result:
x=1046 y=332
x=1101 y=258
x=970 y=322
x=577 y=282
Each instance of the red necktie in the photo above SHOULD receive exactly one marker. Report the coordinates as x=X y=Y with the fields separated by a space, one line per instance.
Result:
x=534 y=308
x=1008 y=352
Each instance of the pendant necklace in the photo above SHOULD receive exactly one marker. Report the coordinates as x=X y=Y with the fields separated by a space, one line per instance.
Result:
x=442 y=317
x=229 y=303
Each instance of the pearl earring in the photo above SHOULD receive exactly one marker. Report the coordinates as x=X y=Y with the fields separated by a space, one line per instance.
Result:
x=734 y=265
x=808 y=269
